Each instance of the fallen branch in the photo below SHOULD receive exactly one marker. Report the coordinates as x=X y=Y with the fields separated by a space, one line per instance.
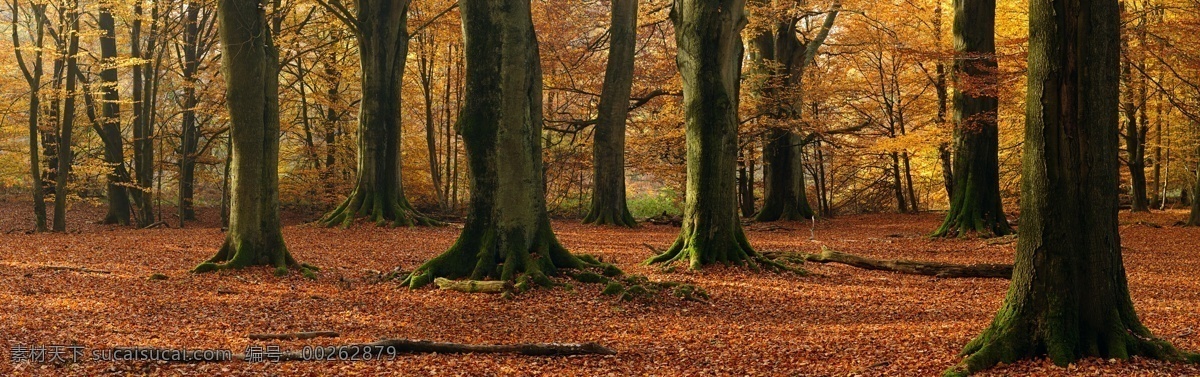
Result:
x=388 y=347
x=937 y=269
x=157 y=224
x=474 y=286
x=294 y=336
x=77 y=269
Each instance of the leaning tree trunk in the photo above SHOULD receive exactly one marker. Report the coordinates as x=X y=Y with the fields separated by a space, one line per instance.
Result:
x=1069 y=298
x=710 y=51
x=110 y=110
x=975 y=205
x=507 y=235
x=608 y=151
x=250 y=66
x=378 y=192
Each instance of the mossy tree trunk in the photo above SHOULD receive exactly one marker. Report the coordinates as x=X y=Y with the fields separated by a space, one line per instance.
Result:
x=507 y=235
x=975 y=205
x=378 y=194
x=1194 y=219
x=110 y=129
x=710 y=52
x=1069 y=298
x=608 y=205
x=250 y=66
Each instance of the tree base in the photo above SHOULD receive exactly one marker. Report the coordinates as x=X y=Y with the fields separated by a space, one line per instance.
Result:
x=383 y=210
x=608 y=215
x=245 y=256
x=737 y=252
x=966 y=224
x=789 y=212
x=1008 y=341
x=492 y=255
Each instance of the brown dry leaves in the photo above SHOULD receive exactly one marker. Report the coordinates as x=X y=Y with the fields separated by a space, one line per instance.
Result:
x=842 y=321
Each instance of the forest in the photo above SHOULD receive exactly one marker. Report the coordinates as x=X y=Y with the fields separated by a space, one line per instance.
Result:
x=600 y=187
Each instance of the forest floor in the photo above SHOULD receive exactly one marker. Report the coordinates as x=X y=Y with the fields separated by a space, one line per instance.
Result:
x=839 y=321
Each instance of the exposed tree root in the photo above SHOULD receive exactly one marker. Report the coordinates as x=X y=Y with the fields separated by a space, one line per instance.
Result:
x=1011 y=338
x=474 y=286
x=294 y=336
x=489 y=254
x=937 y=269
x=737 y=252
x=610 y=215
x=383 y=210
x=967 y=222
x=245 y=255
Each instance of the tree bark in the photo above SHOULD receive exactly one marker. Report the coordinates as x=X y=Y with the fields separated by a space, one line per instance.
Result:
x=190 y=131
x=379 y=192
x=33 y=77
x=143 y=126
x=114 y=149
x=250 y=66
x=975 y=204
x=710 y=51
x=1069 y=297
x=67 y=118
x=785 y=197
x=608 y=205
x=507 y=235
x=1194 y=218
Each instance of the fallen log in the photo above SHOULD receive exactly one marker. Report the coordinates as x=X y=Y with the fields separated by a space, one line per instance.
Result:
x=936 y=269
x=76 y=269
x=294 y=336
x=388 y=347
x=474 y=286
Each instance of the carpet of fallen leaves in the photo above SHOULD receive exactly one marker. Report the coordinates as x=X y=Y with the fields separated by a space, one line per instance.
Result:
x=840 y=321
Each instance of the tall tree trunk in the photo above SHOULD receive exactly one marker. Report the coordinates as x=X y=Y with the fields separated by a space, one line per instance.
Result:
x=379 y=192
x=710 y=52
x=939 y=84
x=1069 y=297
x=190 y=131
x=425 y=70
x=33 y=77
x=114 y=149
x=250 y=66
x=608 y=205
x=1194 y=218
x=975 y=204
x=67 y=118
x=898 y=184
x=914 y=204
x=507 y=235
x=745 y=181
x=143 y=129
x=1134 y=143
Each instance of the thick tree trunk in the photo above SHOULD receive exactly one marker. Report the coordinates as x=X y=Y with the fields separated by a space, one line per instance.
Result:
x=507 y=235
x=110 y=110
x=608 y=151
x=379 y=193
x=975 y=204
x=67 y=122
x=785 y=197
x=710 y=51
x=1069 y=298
x=250 y=66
